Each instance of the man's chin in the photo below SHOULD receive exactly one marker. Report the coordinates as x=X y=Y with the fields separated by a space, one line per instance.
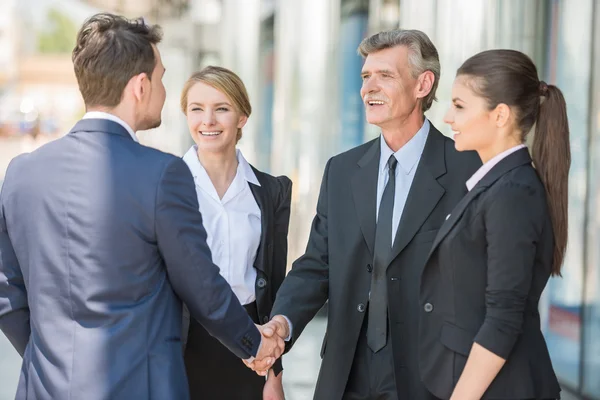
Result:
x=375 y=121
x=156 y=124
x=150 y=125
x=376 y=117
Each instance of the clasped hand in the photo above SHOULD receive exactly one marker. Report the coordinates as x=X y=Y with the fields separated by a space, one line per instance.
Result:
x=272 y=346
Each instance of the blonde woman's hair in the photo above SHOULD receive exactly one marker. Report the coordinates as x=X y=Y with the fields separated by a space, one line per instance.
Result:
x=225 y=81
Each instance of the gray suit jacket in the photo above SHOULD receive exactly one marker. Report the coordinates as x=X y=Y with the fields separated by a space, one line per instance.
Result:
x=100 y=238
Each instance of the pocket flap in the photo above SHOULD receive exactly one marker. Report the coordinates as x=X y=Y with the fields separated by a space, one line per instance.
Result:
x=456 y=339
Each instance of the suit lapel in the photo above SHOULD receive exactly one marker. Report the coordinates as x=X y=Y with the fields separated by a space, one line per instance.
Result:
x=455 y=216
x=425 y=191
x=261 y=196
x=364 y=191
x=512 y=161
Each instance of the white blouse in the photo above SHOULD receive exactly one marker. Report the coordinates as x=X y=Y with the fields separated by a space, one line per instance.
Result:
x=233 y=224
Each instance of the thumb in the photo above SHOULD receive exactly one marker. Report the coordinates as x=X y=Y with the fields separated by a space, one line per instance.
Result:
x=281 y=330
x=269 y=329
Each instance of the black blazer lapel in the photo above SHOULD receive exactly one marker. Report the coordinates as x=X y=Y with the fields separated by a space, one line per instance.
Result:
x=364 y=191
x=425 y=191
x=512 y=161
x=266 y=211
x=455 y=216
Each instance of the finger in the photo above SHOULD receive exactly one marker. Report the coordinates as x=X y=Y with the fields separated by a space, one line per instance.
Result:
x=264 y=364
x=251 y=365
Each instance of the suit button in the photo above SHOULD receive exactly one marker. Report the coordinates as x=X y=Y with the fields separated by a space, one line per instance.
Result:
x=369 y=268
x=265 y=319
x=428 y=307
x=261 y=283
x=361 y=307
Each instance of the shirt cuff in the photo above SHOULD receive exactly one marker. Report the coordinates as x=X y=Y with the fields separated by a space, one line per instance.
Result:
x=287 y=339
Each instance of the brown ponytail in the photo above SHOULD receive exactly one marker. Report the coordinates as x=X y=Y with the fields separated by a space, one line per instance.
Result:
x=551 y=155
x=511 y=78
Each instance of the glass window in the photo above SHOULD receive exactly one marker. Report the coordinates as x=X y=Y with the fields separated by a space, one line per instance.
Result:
x=265 y=111
x=353 y=29
x=569 y=67
x=591 y=320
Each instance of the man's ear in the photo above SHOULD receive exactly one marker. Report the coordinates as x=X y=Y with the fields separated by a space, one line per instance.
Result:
x=425 y=83
x=140 y=85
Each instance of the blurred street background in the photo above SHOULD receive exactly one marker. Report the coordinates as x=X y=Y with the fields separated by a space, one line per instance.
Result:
x=298 y=60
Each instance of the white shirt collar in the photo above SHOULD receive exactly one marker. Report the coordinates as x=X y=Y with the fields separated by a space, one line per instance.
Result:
x=409 y=154
x=487 y=167
x=244 y=169
x=111 y=117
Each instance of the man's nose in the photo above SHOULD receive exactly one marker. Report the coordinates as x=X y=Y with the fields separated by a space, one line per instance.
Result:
x=368 y=88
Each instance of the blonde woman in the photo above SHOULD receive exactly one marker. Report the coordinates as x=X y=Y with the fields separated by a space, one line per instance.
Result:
x=246 y=216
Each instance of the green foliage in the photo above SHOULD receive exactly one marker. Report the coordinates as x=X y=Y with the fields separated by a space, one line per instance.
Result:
x=59 y=36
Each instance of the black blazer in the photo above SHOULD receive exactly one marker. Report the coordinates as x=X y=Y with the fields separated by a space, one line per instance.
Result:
x=482 y=283
x=273 y=197
x=337 y=263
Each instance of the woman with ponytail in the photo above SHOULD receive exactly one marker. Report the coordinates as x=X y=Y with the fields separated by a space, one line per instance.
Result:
x=480 y=331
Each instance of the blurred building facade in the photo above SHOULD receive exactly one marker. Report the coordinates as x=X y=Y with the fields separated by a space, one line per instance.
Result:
x=299 y=62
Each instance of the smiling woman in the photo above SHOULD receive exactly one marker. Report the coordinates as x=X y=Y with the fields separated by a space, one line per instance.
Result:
x=246 y=215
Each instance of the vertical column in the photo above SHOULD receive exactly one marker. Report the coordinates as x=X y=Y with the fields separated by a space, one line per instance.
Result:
x=353 y=29
x=459 y=33
x=305 y=113
x=240 y=30
x=591 y=318
x=461 y=28
x=177 y=53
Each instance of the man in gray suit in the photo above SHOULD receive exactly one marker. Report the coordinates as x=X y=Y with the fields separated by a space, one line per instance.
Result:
x=101 y=240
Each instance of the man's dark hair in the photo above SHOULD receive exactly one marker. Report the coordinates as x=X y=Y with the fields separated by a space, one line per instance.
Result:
x=110 y=50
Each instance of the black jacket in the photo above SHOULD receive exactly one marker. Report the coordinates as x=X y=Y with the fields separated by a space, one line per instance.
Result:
x=336 y=266
x=482 y=283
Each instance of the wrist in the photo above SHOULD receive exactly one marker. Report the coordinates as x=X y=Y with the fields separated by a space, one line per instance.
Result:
x=274 y=378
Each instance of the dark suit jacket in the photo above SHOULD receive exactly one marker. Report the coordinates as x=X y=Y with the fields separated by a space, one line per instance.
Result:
x=488 y=267
x=273 y=196
x=335 y=266
x=100 y=238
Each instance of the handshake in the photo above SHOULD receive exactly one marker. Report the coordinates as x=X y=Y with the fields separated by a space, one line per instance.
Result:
x=272 y=346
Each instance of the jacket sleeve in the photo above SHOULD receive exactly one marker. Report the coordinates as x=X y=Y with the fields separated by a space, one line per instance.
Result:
x=282 y=205
x=305 y=289
x=196 y=280
x=14 y=308
x=513 y=222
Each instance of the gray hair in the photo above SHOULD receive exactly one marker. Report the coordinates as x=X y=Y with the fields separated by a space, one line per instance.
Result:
x=422 y=54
